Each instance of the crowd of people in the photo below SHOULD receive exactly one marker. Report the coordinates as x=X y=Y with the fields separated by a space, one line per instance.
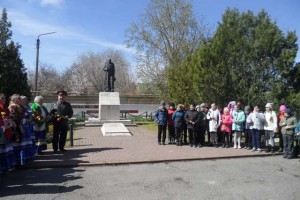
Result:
x=226 y=127
x=23 y=128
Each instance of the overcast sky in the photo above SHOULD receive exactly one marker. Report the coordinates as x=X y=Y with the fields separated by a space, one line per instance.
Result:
x=96 y=25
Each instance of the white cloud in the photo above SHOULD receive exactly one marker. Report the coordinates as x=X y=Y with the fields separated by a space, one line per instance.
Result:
x=55 y=3
x=33 y=27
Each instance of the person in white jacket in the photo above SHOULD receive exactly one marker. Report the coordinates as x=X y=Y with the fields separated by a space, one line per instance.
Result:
x=214 y=118
x=257 y=120
x=270 y=127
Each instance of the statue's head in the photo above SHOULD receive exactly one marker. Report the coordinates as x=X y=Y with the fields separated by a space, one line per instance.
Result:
x=109 y=60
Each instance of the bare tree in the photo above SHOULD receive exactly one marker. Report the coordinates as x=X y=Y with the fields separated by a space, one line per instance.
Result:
x=49 y=79
x=167 y=32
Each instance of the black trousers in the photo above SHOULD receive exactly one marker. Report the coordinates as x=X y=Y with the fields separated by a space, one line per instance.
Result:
x=192 y=136
x=171 y=130
x=201 y=135
x=59 y=136
x=225 y=138
x=288 y=141
x=185 y=133
x=178 y=133
x=162 y=129
x=280 y=140
x=248 y=138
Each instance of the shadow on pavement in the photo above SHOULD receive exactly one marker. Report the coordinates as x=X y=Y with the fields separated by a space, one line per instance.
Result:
x=39 y=181
x=72 y=158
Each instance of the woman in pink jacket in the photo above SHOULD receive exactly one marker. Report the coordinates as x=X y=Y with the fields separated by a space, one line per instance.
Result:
x=226 y=126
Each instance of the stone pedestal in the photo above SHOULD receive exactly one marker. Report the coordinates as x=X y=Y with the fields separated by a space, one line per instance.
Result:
x=109 y=112
x=114 y=129
x=109 y=106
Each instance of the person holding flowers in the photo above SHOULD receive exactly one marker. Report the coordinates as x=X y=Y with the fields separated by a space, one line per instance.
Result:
x=28 y=131
x=40 y=116
x=17 y=113
x=7 y=155
x=61 y=112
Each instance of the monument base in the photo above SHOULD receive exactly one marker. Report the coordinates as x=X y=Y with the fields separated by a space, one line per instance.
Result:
x=109 y=106
x=115 y=129
x=97 y=122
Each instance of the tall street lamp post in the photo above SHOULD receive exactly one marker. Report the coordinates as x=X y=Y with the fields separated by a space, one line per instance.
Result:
x=37 y=59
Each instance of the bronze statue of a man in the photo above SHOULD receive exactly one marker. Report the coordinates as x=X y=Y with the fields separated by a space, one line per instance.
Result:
x=110 y=79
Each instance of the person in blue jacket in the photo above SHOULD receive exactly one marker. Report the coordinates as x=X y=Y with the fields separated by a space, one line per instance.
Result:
x=161 y=118
x=178 y=119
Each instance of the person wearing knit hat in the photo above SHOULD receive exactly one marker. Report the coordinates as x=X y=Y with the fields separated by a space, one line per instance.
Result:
x=178 y=118
x=171 y=128
x=269 y=105
x=270 y=127
x=162 y=103
x=282 y=108
x=288 y=112
x=202 y=105
x=161 y=118
x=247 y=129
x=288 y=125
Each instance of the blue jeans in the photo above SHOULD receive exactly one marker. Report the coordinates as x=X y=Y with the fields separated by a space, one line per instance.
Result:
x=256 y=138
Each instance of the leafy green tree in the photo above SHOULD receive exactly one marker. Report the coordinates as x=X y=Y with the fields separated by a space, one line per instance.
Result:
x=248 y=59
x=13 y=76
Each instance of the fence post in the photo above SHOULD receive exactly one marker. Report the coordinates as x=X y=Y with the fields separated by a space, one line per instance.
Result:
x=146 y=115
x=71 y=135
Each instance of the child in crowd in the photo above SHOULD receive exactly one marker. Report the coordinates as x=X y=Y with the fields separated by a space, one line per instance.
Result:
x=226 y=127
x=282 y=109
x=214 y=118
x=257 y=119
x=247 y=129
x=237 y=125
x=288 y=125
x=178 y=119
x=270 y=127
x=171 y=128
x=161 y=118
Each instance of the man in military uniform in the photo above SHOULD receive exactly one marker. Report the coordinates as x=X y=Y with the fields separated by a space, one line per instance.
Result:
x=61 y=113
x=110 y=79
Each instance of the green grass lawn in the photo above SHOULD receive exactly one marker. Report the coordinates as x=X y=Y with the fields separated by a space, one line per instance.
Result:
x=151 y=126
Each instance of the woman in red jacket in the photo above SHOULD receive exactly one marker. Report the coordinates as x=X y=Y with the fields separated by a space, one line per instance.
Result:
x=170 y=123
